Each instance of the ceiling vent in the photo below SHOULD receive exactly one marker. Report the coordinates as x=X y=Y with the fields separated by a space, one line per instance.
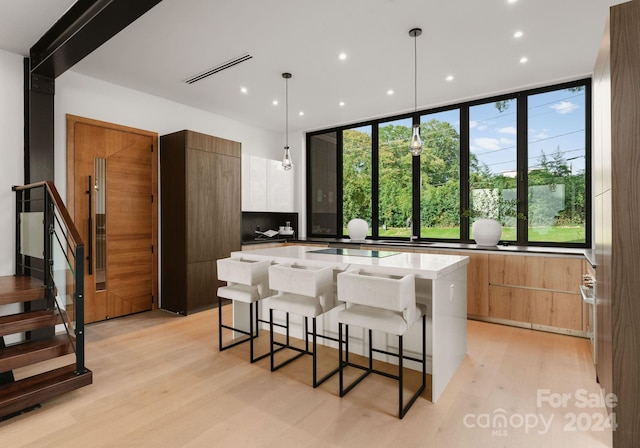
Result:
x=221 y=67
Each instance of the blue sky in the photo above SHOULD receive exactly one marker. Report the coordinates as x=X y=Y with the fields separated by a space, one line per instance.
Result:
x=556 y=120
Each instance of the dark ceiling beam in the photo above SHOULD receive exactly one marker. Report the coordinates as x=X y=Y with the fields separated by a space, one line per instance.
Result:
x=83 y=28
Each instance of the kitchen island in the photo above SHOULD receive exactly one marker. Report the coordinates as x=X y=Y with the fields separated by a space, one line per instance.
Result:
x=441 y=285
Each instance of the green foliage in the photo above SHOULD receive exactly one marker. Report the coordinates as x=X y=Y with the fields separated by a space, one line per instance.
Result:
x=394 y=175
x=556 y=195
x=357 y=176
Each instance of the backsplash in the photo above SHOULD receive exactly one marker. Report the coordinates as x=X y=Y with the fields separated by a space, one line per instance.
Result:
x=267 y=221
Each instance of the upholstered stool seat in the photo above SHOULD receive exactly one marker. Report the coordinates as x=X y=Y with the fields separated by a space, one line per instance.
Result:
x=306 y=291
x=379 y=303
x=247 y=282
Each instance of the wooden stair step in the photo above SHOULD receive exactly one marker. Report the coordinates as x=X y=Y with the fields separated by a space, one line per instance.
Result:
x=17 y=288
x=21 y=322
x=31 y=352
x=33 y=390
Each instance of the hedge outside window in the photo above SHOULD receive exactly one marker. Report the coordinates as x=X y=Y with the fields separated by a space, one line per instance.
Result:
x=523 y=159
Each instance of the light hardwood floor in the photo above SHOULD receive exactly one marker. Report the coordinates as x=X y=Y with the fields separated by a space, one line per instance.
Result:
x=159 y=381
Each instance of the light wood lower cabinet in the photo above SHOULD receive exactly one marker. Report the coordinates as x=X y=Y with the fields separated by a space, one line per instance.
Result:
x=477 y=284
x=557 y=309
x=510 y=303
x=537 y=290
x=533 y=291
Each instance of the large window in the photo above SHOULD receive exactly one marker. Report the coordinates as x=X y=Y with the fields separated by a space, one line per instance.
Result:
x=394 y=179
x=322 y=189
x=440 y=175
x=356 y=175
x=493 y=154
x=556 y=166
x=521 y=158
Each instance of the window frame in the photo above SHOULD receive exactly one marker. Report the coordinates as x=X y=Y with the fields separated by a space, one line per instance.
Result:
x=522 y=165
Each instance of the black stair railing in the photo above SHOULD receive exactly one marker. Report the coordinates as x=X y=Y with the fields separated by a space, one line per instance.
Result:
x=49 y=247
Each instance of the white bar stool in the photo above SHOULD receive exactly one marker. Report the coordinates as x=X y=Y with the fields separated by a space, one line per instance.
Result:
x=247 y=282
x=380 y=303
x=308 y=292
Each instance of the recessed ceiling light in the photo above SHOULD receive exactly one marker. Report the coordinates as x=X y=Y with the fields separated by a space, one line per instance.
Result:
x=301 y=113
x=518 y=34
x=449 y=78
x=523 y=60
x=512 y=1
x=341 y=103
x=342 y=56
x=390 y=92
x=243 y=89
x=274 y=102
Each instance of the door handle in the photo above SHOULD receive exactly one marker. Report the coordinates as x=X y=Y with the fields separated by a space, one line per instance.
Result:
x=90 y=229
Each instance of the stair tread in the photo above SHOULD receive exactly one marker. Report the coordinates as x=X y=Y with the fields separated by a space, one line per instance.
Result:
x=30 y=391
x=31 y=352
x=21 y=322
x=19 y=288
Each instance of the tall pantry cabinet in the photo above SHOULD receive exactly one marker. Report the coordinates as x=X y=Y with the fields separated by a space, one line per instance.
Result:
x=200 y=216
x=617 y=213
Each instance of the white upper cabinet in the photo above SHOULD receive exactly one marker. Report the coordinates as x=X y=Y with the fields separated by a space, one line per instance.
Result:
x=266 y=186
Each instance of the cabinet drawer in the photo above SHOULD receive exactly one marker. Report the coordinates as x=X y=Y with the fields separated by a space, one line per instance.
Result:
x=554 y=273
x=557 y=309
x=511 y=303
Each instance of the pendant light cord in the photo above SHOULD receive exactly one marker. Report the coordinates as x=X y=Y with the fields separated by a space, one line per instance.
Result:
x=286 y=108
x=415 y=73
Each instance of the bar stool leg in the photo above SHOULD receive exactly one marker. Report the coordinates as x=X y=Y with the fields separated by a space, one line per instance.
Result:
x=340 y=362
x=400 y=377
x=219 y=324
x=271 y=336
x=315 y=348
x=251 y=332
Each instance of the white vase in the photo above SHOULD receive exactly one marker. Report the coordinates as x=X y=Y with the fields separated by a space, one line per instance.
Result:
x=486 y=232
x=357 y=229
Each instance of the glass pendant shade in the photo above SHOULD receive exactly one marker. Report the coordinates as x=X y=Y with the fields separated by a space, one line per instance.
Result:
x=286 y=161
x=415 y=147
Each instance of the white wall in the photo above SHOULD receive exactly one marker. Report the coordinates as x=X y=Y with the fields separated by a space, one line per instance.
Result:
x=11 y=164
x=11 y=152
x=91 y=98
x=88 y=97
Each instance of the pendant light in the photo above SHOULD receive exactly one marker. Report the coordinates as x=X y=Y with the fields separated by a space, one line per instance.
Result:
x=415 y=147
x=286 y=161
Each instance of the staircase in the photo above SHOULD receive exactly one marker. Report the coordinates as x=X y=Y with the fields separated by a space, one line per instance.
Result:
x=30 y=370
x=25 y=393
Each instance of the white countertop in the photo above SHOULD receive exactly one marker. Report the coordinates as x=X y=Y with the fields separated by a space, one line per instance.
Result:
x=429 y=266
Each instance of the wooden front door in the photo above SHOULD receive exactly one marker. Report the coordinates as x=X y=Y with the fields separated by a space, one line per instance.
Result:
x=112 y=185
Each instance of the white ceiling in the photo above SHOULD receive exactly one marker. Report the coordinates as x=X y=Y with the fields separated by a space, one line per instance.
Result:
x=469 y=39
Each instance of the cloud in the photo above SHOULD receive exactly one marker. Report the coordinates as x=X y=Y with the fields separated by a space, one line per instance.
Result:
x=506 y=142
x=508 y=130
x=564 y=107
x=490 y=144
x=477 y=125
x=535 y=134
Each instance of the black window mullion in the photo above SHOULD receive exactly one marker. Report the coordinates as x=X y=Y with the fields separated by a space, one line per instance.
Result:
x=339 y=186
x=415 y=188
x=465 y=159
x=522 y=225
x=375 y=184
x=309 y=195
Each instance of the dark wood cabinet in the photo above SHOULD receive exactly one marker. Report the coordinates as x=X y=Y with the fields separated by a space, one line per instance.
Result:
x=200 y=216
x=617 y=195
